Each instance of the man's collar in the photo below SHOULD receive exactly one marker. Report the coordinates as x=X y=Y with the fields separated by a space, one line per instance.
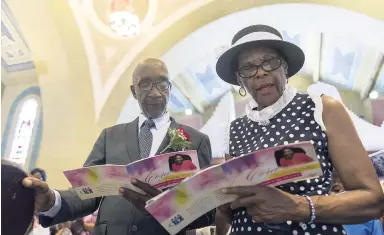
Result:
x=159 y=121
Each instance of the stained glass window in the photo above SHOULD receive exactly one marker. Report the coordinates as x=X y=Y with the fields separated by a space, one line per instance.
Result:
x=23 y=131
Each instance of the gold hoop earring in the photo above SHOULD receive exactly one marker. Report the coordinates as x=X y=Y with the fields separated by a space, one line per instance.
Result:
x=242 y=92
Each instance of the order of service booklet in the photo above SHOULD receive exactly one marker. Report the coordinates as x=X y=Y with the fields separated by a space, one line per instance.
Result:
x=378 y=163
x=177 y=207
x=161 y=171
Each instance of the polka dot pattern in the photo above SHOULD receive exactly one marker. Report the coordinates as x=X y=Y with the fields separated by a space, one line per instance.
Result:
x=295 y=123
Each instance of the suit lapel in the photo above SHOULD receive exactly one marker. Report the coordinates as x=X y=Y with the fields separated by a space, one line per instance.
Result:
x=132 y=140
x=165 y=142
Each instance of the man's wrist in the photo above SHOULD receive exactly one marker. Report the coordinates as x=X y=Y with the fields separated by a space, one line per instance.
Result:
x=51 y=201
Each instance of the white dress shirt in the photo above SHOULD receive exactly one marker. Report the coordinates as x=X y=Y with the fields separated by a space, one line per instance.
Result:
x=162 y=124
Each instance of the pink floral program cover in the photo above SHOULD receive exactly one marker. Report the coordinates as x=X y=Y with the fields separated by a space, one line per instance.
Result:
x=195 y=196
x=378 y=163
x=162 y=171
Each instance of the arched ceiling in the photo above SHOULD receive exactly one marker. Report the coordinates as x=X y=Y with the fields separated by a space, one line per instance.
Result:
x=340 y=55
x=335 y=54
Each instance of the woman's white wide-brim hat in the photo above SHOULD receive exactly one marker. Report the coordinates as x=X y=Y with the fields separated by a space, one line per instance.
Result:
x=258 y=36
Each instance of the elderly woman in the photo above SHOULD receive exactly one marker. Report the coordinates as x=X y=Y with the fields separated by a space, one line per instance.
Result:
x=261 y=62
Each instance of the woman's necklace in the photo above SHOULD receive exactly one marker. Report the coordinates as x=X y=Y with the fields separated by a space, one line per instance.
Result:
x=265 y=122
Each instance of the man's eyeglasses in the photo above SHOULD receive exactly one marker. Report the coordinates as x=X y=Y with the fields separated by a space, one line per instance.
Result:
x=161 y=86
x=251 y=70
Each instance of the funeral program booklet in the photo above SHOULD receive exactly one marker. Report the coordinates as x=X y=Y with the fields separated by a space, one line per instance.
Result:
x=161 y=171
x=175 y=208
x=378 y=163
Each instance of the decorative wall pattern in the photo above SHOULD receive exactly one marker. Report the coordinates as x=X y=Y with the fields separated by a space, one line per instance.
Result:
x=15 y=55
x=106 y=68
x=209 y=84
x=291 y=37
x=178 y=102
x=340 y=61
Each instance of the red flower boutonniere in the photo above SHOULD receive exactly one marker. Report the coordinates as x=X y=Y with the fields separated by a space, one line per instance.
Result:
x=179 y=140
x=182 y=133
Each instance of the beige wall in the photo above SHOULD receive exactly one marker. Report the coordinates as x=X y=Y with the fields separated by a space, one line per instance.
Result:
x=2 y=90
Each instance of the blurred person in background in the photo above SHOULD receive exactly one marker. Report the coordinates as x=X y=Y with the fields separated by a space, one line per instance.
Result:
x=90 y=220
x=372 y=227
x=64 y=228
x=36 y=228
x=382 y=217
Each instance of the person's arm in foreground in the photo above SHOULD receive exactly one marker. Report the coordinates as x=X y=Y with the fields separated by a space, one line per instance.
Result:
x=362 y=201
x=66 y=204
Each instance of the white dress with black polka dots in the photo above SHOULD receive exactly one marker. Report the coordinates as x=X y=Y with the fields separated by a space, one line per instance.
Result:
x=293 y=123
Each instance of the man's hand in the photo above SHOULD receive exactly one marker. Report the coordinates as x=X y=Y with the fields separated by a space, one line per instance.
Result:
x=136 y=198
x=223 y=219
x=44 y=196
x=225 y=213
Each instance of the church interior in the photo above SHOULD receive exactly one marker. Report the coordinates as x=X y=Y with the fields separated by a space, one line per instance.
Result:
x=67 y=67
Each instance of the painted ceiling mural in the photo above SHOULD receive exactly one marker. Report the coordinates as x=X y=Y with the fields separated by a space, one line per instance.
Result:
x=209 y=85
x=340 y=60
x=115 y=37
x=178 y=102
x=115 y=32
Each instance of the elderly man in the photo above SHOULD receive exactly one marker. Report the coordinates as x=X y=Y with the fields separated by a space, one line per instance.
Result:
x=123 y=144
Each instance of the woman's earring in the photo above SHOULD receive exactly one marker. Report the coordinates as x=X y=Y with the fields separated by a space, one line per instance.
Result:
x=242 y=92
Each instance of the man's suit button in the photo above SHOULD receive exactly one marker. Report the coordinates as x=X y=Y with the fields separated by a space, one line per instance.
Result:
x=134 y=228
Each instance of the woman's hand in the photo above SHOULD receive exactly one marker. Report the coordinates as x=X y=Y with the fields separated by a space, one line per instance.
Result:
x=269 y=205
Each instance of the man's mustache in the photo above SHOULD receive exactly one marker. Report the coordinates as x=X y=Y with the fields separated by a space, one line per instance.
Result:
x=154 y=101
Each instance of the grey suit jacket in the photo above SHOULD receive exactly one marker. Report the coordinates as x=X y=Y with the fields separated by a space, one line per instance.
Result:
x=117 y=216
